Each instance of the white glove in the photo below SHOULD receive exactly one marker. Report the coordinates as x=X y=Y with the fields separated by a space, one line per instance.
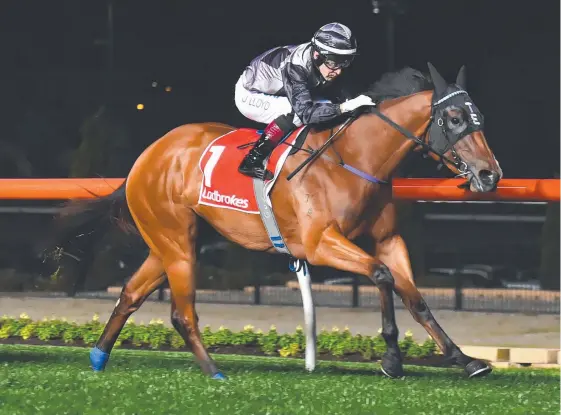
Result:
x=355 y=103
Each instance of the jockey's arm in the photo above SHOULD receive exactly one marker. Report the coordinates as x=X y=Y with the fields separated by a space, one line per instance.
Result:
x=296 y=88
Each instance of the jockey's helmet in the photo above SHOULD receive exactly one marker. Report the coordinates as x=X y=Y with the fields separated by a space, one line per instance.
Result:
x=335 y=44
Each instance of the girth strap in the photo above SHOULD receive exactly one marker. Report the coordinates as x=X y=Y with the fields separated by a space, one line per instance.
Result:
x=268 y=217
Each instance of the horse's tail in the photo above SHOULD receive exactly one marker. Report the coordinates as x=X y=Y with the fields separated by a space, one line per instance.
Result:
x=79 y=218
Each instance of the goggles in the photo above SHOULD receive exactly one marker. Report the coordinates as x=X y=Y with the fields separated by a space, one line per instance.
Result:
x=335 y=62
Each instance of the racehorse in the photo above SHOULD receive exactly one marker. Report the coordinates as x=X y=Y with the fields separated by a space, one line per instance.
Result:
x=321 y=211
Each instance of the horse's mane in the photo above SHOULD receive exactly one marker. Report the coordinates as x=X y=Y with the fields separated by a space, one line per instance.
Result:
x=406 y=81
x=397 y=84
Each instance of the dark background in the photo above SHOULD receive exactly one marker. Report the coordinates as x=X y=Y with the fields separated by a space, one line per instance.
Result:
x=54 y=62
x=71 y=77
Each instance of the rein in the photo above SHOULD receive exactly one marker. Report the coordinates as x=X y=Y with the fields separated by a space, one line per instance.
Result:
x=420 y=142
x=314 y=154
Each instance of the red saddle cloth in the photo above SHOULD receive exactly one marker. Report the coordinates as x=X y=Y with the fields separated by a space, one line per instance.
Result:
x=222 y=185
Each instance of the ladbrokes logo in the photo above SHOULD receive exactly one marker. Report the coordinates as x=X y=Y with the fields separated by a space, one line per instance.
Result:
x=215 y=196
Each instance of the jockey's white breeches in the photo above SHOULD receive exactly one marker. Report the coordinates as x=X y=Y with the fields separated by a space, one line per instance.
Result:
x=261 y=107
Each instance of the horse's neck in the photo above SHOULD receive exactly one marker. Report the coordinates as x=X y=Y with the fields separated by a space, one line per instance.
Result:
x=377 y=147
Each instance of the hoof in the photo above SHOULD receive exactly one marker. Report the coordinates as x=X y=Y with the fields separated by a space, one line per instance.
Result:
x=477 y=368
x=219 y=376
x=392 y=366
x=98 y=359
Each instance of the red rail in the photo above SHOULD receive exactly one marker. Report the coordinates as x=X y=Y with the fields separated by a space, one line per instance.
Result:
x=407 y=189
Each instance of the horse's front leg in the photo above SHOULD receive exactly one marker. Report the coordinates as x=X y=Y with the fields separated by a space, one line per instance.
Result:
x=393 y=252
x=335 y=250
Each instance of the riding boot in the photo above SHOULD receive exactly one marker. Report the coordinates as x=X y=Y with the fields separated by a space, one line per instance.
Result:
x=252 y=164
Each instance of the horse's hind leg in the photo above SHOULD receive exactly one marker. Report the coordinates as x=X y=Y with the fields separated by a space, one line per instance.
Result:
x=176 y=321
x=394 y=254
x=144 y=281
x=181 y=278
x=175 y=245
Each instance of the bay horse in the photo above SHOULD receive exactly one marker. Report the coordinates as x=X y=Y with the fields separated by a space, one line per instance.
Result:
x=321 y=211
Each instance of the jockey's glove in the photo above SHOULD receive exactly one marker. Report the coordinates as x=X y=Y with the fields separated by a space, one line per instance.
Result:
x=354 y=103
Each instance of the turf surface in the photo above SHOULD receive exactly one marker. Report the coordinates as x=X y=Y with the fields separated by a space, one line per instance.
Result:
x=57 y=380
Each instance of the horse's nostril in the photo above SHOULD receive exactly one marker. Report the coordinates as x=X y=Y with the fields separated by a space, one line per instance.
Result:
x=489 y=179
x=488 y=176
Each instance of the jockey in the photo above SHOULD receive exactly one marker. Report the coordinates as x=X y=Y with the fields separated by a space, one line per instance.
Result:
x=276 y=89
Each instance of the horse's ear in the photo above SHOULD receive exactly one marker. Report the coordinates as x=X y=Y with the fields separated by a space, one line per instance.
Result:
x=461 y=78
x=440 y=84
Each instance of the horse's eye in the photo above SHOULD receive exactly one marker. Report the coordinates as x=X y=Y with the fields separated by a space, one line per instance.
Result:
x=455 y=121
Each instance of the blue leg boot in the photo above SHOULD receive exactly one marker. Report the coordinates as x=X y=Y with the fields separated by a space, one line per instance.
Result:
x=98 y=359
x=219 y=376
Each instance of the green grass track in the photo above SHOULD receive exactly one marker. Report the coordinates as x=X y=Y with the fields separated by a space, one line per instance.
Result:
x=43 y=380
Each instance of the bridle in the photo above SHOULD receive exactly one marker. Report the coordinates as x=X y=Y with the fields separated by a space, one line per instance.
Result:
x=440 y=138
x=436 y=123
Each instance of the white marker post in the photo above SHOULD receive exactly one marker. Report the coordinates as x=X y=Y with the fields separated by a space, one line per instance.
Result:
x=303 y=274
